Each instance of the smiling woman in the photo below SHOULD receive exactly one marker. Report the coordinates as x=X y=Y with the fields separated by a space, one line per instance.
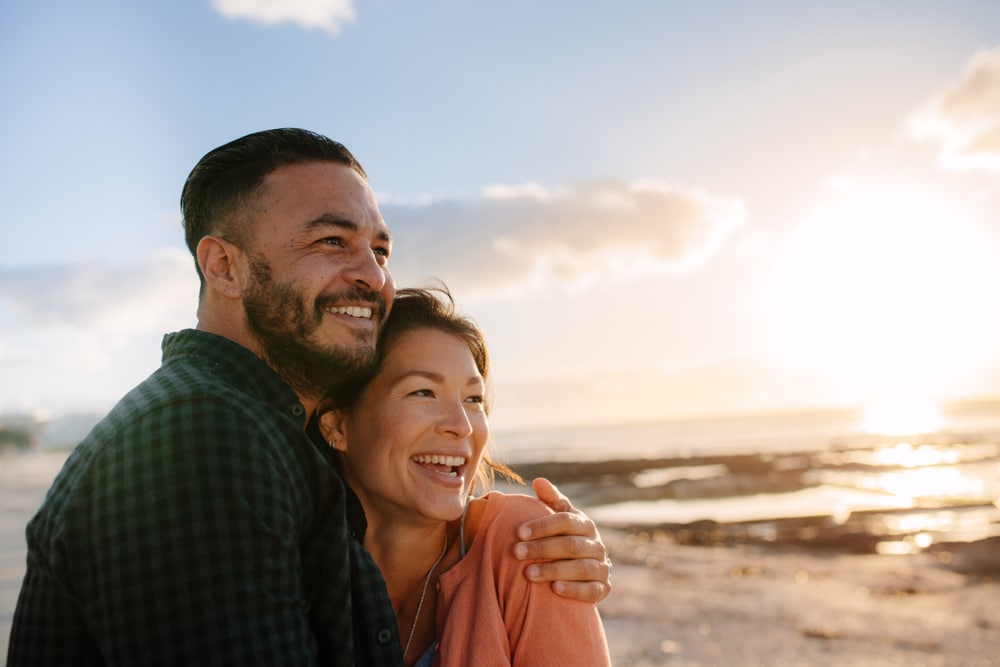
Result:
x=885 y=293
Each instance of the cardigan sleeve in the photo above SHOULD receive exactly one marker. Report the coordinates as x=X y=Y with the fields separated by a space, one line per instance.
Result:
x=490 y=614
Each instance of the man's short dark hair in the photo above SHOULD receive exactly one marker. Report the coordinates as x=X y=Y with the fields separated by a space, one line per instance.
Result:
x=225 y=180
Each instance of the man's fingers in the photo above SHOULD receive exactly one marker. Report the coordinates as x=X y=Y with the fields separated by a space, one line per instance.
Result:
x=547 y=492
x=563 y=523
x=575 y=548
x=592 y=591
x=584 y=579
x=580 y=569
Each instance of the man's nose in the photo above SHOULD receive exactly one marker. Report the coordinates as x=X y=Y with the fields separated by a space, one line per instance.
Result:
x=368 y=271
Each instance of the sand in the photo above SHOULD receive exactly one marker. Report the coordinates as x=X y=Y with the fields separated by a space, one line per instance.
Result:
x=751 y=605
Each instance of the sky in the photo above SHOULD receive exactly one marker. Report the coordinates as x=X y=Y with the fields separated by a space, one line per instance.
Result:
x=654 y=209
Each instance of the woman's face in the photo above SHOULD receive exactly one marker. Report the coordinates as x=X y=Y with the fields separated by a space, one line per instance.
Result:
x=415 y=438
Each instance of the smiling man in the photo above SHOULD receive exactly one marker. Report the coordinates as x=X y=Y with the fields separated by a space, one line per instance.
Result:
x=198 y=523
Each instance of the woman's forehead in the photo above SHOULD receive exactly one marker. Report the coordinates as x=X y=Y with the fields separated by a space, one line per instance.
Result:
x=428 y=349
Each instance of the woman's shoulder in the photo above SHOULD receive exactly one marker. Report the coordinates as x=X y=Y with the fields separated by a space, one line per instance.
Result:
x=492 y=520
x=506 y=509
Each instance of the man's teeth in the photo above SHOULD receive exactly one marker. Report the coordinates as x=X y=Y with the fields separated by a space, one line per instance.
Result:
x=353 y=311
x=440 y=460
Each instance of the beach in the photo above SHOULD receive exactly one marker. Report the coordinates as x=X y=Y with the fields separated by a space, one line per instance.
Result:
x=751 y=605
x=715 y=593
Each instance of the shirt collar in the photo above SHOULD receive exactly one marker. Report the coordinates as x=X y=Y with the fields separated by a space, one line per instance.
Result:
x=236 y=364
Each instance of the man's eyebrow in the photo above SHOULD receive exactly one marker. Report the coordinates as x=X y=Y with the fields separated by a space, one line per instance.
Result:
x=331 y=220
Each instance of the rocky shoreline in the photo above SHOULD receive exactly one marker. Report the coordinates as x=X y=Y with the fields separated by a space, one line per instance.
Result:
x=592 y=484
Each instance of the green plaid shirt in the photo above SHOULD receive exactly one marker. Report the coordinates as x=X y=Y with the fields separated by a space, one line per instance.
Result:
x=198 y=524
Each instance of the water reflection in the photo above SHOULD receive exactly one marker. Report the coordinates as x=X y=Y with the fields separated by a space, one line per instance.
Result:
x=866 y=495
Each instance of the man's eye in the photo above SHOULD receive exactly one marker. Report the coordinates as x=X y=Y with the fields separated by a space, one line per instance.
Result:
x=333 y=240
x=381 y=251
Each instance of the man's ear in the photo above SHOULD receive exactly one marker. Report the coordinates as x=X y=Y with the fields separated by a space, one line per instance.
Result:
x=333 y=426
x=224 y=266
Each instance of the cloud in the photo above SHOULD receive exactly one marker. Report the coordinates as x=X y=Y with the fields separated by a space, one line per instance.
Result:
x=78 y=336
x=514 y=238
x=100 y=296
x=965 y=117
x=328 y=15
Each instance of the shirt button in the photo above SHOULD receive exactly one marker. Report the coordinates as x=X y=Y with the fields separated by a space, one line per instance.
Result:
x=298 y=410
x=384 y=636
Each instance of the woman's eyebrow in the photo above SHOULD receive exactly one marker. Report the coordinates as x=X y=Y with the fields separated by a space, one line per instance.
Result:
x=436 y=377
x=430 y=375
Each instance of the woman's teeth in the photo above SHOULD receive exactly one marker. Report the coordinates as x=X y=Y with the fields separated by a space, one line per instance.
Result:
x=448 y=462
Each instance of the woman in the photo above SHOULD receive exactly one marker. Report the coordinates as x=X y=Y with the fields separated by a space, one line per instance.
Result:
x=411 y=444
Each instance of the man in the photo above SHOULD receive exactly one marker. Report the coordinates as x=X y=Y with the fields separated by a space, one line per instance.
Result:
x=197 y=523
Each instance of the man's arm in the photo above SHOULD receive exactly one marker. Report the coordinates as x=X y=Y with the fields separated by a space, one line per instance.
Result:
x=578 y=564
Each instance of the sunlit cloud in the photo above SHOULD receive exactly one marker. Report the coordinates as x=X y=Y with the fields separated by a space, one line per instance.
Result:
x=328 y=15
x=965 y=117
x=514 y=238
x=62 y=325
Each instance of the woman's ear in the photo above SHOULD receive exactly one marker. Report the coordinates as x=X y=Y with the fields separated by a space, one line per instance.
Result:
x=223 y=264
x=332 y=425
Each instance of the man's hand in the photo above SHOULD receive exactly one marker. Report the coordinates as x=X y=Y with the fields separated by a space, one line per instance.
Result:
x=578 y=565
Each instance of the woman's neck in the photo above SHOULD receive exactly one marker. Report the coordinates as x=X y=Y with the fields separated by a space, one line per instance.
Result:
x=411 y=558
x=405 y=552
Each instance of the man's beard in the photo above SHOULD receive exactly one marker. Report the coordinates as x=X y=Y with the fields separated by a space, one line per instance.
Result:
x=284 y=326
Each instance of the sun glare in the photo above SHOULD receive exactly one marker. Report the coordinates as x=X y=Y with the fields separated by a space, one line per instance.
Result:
x=886 y=290
x=902 y=417
x=928 y=482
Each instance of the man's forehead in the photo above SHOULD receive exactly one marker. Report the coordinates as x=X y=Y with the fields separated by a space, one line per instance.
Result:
x=331 y=190
x=315 y=172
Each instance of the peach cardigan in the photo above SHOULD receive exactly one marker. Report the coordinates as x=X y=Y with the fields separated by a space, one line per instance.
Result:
x=489 y=614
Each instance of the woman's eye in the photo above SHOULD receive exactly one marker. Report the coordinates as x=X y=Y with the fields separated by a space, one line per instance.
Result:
x=475 y=399
x=422 y=392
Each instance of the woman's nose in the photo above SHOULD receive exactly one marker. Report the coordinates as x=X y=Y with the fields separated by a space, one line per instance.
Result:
x=455 y=421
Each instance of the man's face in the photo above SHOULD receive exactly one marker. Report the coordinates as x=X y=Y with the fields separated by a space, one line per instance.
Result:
x=319 y=284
